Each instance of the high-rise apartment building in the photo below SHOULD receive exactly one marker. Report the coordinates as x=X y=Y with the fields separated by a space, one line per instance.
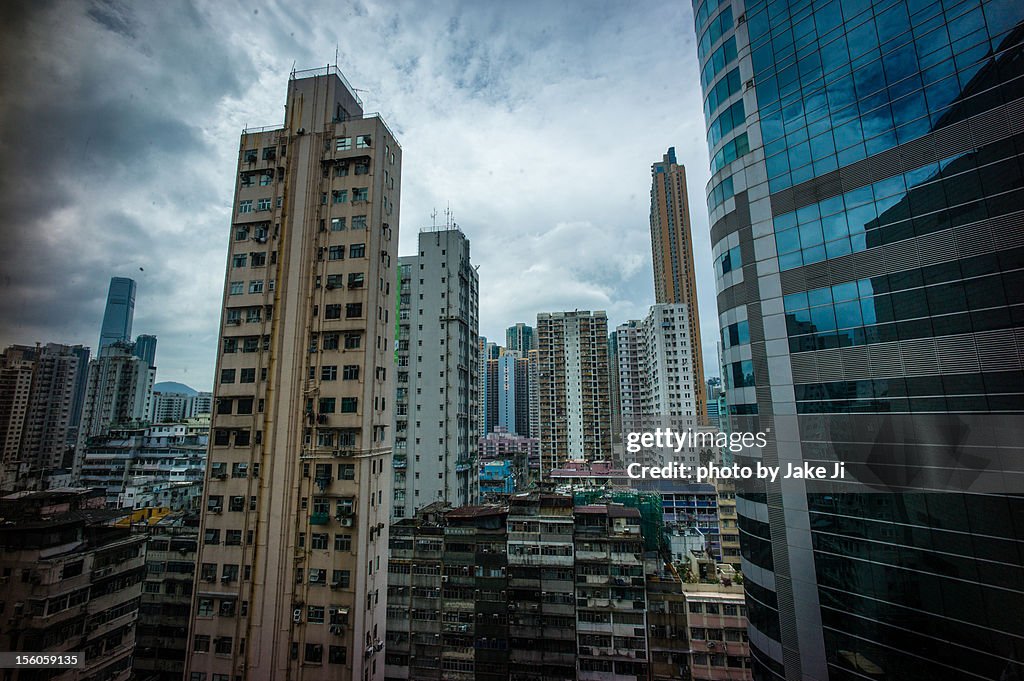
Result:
x=573 y=391
x=435 y=432
x=300 y=448
x=655 y=376
x=118 y=313
x=488 y=352
x=39 y=396
x=520 y=338
x=118 y=391
x=672 y=245
x=865 y=207
x=506 y=389
x=145 y=349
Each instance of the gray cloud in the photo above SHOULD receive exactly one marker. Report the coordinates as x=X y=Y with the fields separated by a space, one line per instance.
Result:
x=537 y=122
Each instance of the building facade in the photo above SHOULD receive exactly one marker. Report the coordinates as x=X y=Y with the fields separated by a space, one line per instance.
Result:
x=520 y=338
x=118 y=314
x=574 y=398
x=300 y=454
x=72 y=579
x=40 y=407
x=865 y=206
x=675 y=280
x=437 y=384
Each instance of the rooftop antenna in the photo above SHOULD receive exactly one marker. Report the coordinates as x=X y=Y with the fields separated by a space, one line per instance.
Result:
x=335 y=56
x=433 y=220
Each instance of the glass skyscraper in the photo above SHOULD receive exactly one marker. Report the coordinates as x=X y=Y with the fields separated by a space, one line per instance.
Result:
x=867 y=224
x=119 y=312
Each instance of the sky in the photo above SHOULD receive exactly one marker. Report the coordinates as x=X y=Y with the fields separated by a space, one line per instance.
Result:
x=536 y=123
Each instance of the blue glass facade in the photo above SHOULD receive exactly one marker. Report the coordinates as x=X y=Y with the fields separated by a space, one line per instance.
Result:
x=867 y=225
x=119 y=313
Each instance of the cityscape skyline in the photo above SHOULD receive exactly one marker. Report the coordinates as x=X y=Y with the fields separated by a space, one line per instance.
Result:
x=163 y=221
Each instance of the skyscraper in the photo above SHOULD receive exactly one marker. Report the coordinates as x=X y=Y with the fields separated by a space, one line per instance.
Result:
x=520 y=338
x=435 y=434
x=298 y=489
x=865 y=219
x=573 y=391
x=145 y=349
x=672 y=246
x=119 y=312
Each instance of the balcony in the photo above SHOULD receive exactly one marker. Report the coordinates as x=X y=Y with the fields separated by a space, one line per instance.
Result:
x=319 y=518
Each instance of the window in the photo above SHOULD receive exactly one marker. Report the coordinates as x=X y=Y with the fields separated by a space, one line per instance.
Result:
x=346 y=471
x=340 y=196
x=330 y=341
x=238 y=260
x=363 y=142
x=205 y=607
x=245 y=403
x=352 y=341
x=233 y=538
x=343 y=144
x=230 y=345
x=256 y=286
x=360 y=194
x=314 y=652
x=349 y=405
x=327 y=405
x=318 y=541
x=258 y=259
x=337 y=655
x=263 y=204
x=342 y=542
x=337 y=224
x=239 y=470
x=350 y=372
x=341 y=578
x=222 y=645
x=332 y=312
x=353 y=310
x=269 y=153
x=336 y=253
x=266 y=178
x=248 y=376
x=237 y=288
x=358 y=222
x=201 y=644
x=236 y=503
x=329 y=373
x=227 y=375
x=357 y=251
x=245 y=206
x=356 y=280
x=335 y=281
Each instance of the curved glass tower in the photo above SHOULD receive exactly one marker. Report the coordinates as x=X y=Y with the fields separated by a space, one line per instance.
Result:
x=867 y=222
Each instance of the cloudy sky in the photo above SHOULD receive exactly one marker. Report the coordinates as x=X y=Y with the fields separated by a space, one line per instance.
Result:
x=537 y=122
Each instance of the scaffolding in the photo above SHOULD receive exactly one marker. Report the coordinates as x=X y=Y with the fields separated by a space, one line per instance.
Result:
x=652 y=521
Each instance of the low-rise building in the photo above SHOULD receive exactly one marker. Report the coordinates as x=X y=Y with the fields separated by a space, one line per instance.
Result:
x=71 y=581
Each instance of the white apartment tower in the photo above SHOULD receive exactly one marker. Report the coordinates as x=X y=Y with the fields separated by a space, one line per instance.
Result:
x=438 y=379
x=655 y=372
x=292 y=571
x=573 y=394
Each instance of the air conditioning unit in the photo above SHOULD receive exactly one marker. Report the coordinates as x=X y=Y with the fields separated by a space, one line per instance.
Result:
x=297 y=615
x=444 y=578
x=345 y=522
x=314 y=577
x=216 y=509
x=335 y=584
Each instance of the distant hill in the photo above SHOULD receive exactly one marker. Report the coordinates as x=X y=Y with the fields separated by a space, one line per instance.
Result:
x=174 y=387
